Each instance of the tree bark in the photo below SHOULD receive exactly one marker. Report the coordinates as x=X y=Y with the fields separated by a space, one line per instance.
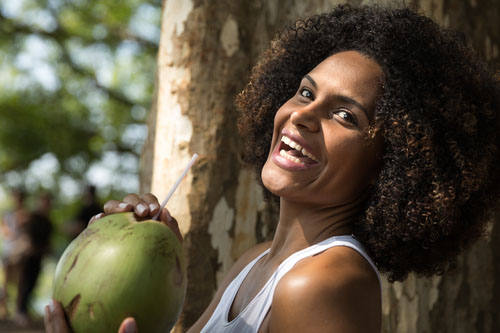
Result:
x=207 y=50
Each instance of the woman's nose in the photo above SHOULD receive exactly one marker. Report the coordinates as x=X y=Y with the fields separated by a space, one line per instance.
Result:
x=305 y=118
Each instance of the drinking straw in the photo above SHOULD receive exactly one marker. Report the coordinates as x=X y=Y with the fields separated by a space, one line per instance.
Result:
x=172 y=190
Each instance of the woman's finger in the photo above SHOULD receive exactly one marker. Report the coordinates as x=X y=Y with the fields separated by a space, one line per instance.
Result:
x=171 y=223
x=115 y=206
x=96 y=217
x=152 y=203
x=54 y=319
x=128 y=326
x=141 y=208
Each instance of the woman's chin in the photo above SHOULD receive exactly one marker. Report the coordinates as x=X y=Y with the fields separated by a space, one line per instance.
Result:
x=272 y=180
x=278 y=186
x=277 y=181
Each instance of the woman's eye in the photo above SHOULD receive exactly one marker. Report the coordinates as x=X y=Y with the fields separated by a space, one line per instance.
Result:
x=346 y=116
x=306 y=93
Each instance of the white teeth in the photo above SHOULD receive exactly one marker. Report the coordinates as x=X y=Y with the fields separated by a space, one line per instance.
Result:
x=306 y=153
x=298 y=147
x=290 y=157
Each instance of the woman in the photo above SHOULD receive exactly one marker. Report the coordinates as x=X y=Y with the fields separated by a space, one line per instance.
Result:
x=383 y=130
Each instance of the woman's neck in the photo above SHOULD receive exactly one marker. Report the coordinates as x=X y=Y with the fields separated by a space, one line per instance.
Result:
x=301 y=226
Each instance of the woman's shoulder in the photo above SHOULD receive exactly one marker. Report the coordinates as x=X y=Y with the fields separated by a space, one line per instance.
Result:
x=338 y=287
x=334 y=269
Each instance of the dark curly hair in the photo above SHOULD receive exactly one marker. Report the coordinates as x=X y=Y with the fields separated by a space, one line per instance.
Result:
x=438 y=115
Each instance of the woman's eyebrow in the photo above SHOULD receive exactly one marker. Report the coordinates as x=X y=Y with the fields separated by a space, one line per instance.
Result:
x=311 y=80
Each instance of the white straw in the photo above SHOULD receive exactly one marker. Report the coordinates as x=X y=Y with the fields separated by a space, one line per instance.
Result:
x=172 y=190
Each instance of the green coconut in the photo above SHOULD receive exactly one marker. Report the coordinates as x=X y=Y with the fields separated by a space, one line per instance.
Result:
x=117 y=268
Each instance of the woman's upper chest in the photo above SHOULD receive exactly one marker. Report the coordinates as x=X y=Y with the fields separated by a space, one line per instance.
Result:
x=251 y=285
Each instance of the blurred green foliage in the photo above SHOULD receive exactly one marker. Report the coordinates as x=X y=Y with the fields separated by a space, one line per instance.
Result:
x=76 y=83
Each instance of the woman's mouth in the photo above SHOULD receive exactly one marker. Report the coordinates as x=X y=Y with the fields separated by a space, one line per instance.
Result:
x=295 y=152
x=293 y=155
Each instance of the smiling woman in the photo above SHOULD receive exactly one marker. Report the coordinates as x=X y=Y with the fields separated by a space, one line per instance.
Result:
x=435 y=116
x=377 y=131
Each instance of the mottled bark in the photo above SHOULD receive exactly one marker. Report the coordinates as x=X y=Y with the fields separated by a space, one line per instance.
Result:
x=467 y=299
x=207 y=50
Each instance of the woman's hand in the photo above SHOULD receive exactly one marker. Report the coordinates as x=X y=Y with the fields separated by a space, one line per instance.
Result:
x=144 y=208
x=55 y=320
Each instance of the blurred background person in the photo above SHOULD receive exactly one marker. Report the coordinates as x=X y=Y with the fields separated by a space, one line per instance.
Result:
x=14 y=244
x=38 y=230
x=90 y=207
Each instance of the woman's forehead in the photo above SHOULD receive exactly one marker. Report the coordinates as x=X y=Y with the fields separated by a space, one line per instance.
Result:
x=353 y=63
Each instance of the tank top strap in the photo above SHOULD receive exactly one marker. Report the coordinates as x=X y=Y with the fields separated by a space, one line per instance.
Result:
x=345 y=240
x=218 y=322
x=234 y=286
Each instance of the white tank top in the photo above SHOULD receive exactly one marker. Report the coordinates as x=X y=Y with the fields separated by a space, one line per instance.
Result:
x=250 y=319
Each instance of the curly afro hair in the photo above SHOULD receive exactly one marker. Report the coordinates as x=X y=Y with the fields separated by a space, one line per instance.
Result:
x=438 y=115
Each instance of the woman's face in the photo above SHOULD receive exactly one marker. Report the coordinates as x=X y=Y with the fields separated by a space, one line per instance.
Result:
x=319 y=154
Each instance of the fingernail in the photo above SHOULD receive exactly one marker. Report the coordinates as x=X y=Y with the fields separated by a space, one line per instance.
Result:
x=123 y=205
x=141 y=208
x=152 y=207
x=95 y=217
x=130 y=327
x=169 y=217
x=51 y=305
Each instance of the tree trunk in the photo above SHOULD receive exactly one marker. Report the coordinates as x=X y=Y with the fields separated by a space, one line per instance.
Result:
x=207 y=50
